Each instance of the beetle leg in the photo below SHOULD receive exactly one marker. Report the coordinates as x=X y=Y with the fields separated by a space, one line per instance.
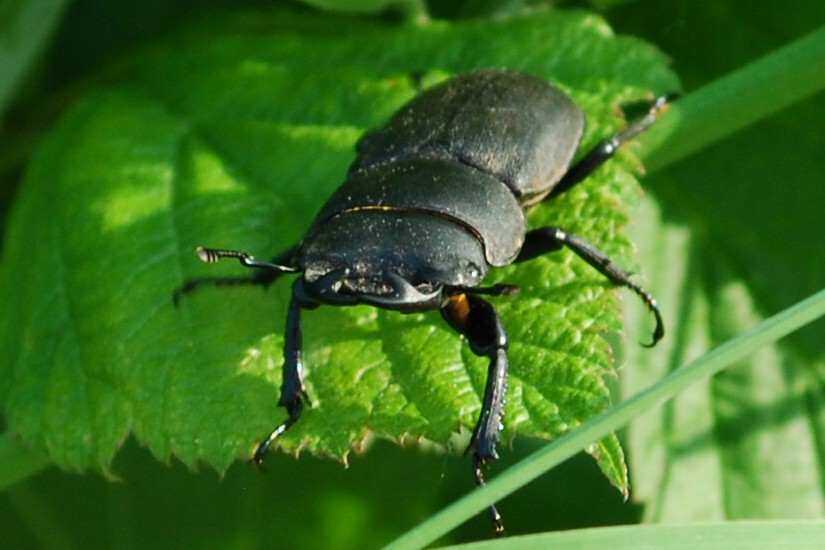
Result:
x=478 y=321
x=293 y=391
x=494 y=290
x=550 y=239
x=265 y=272
x=605 y=149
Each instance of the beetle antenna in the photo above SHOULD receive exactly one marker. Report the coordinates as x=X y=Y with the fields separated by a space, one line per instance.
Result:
x=213 y=255
x=267 y=271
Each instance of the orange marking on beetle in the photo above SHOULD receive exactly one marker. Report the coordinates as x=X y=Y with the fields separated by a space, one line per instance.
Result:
x=459 y=308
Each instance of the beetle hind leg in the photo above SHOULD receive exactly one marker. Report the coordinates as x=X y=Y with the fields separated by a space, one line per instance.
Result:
x=478 y=321
x=550 y=239
x=604 y=150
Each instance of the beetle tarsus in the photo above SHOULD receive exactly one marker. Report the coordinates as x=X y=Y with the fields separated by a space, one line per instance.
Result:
x=295 y=407
x=479 y=464
x=641 y=124
x=263 y=447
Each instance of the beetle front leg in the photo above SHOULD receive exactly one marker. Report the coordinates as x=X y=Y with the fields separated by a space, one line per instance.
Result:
x=478 y=321
x=550 y=239
x=293 y=391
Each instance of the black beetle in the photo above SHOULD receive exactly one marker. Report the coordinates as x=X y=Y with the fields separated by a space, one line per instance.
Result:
x=433 y=199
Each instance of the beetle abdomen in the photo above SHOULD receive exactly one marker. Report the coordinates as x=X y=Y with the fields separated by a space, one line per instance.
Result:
x=515 y=127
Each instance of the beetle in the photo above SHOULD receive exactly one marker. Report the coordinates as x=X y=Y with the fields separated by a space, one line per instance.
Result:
x=434 y=199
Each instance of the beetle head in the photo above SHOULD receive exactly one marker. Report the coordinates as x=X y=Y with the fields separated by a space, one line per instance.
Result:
x=391 y=259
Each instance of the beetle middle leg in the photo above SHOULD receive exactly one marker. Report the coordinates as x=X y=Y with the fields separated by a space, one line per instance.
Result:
x=550 y=239
x=477 y=320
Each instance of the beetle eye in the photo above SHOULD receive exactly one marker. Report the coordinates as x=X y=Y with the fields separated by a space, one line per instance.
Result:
x=473 y=271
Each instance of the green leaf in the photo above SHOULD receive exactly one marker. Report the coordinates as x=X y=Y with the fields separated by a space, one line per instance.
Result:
x=232 y=137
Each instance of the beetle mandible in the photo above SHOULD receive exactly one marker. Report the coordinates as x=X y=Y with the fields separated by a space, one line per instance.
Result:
x=433 y=200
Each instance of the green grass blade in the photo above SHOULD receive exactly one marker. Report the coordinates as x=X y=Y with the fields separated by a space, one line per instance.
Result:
x=731 y=535
x=737 y=100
